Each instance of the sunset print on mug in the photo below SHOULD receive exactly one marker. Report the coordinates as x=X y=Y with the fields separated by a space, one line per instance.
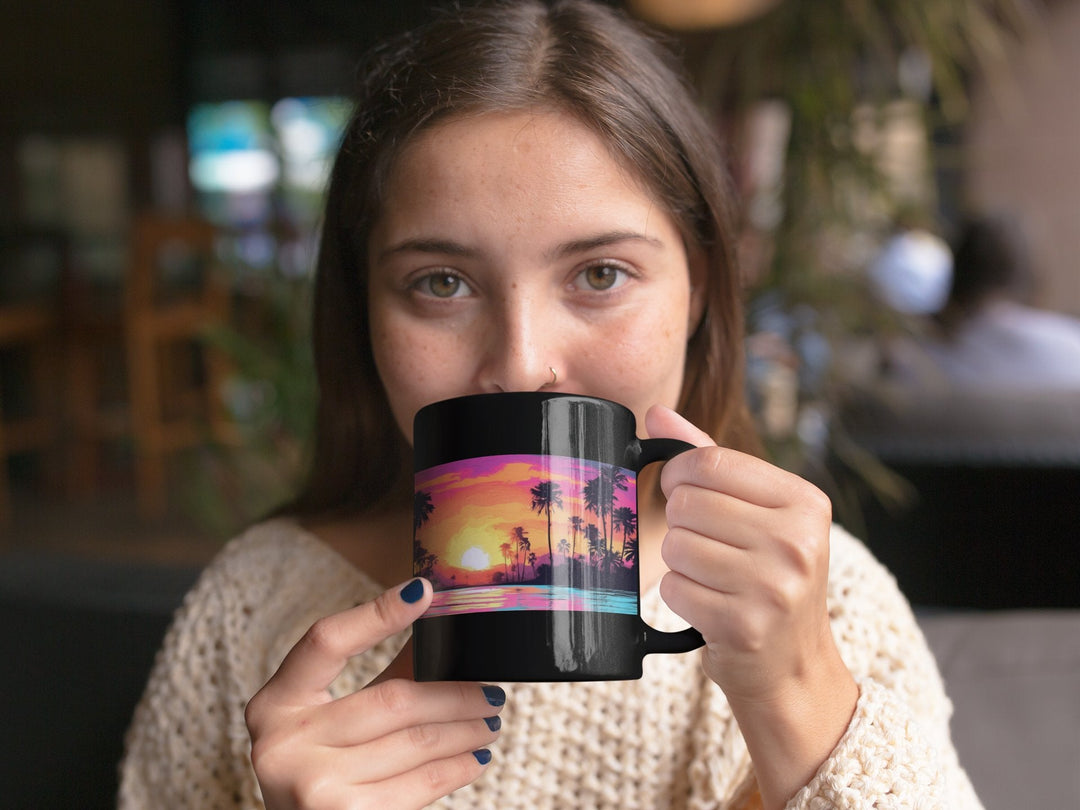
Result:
x=527 y=532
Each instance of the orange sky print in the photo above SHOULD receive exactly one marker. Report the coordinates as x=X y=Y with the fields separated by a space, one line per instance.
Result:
x=521 y=532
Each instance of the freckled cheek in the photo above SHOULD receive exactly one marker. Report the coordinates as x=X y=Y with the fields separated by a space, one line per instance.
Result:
x=416 y=368
x=402 y=363
x=645 y=366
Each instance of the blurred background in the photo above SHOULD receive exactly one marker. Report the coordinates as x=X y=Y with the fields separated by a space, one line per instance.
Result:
x=161 y=173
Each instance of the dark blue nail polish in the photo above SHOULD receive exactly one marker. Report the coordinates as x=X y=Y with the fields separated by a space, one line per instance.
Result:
x=493 y=723
x=413 y=591
x=494 y=695
x=483 y=756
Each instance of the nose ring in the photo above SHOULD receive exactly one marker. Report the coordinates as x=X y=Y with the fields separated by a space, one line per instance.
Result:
x=554 y=376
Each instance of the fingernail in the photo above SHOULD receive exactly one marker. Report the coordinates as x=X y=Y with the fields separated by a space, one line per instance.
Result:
x=494 y=695
x=413 y=591
x=493 y=723
x=483 y=756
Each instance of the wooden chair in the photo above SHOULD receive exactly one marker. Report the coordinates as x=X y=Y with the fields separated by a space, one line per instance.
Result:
x=30 y=328
x=174 y=378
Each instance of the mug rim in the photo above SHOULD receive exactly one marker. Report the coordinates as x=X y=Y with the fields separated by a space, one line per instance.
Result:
x=536 y=396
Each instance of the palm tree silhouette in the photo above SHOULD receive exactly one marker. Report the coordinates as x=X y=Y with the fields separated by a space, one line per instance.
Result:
x=596 y=543
x=423 y=561
x=522 y=546
x=625 y=519
x=507 y=550
x=599 y=494
x=422 y=508
x=545 y=495
x=564 y=547
x=577 y=525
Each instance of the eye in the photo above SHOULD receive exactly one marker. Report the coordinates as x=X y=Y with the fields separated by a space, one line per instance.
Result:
x=442 y=284
x=601 y=277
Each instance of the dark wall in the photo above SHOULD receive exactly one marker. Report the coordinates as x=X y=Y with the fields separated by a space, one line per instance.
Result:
x=77 y=640
x=980 y=535
x=121 y=66
x=88 y=67
x=128 y=69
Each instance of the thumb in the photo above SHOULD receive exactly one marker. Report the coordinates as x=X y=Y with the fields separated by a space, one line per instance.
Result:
x=320 y=656
x=663 y=423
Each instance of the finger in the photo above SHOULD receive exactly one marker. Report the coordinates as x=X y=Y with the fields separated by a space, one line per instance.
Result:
x=413 y=747
x=740 y=475
x=398 y=704
x=663 y=423
x=721 y=469
x=409 y=790
x=431 y=781
x=318 y=658
x=716 y=515
x=707 y=609
x=716 y=566
x=769 y=569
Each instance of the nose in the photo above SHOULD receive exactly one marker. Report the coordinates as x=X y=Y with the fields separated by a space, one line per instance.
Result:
x=521 y=348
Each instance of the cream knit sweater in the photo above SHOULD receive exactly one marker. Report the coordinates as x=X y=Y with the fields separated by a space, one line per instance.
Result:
x=665 y=741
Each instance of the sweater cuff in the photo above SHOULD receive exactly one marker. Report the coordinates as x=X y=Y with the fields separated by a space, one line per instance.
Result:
x=883 y=760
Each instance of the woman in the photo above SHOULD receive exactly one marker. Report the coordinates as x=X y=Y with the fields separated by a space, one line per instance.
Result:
x=527 y=197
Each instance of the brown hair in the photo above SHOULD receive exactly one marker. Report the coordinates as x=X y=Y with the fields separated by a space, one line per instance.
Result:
x=576 y=56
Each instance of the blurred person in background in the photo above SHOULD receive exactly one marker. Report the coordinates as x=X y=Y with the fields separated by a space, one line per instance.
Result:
x=991 y=336
x=978 y=369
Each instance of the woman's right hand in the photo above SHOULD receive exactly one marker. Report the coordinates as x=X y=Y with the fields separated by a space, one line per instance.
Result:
x=394 y=744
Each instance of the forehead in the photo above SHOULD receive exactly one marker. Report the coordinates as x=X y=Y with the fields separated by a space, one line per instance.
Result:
x=537 y=152
x=518 y=130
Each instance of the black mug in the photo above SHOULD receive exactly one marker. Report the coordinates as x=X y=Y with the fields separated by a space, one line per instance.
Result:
x=525 y=522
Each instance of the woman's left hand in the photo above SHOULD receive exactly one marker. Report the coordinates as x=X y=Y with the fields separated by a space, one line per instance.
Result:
x=748 y=551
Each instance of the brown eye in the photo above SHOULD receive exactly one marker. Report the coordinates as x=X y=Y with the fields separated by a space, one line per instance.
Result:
x=444 y=285
x=601 y=276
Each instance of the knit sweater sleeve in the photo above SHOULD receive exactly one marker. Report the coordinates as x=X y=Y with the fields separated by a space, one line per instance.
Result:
x=184 y=747
x=897 y=750
x=188 y=745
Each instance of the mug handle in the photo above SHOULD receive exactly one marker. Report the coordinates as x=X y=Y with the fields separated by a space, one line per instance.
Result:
x=647 y=451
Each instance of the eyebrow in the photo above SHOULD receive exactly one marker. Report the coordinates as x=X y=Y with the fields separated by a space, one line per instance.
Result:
x=448 y=247
x=444 y=246
x=602 y=240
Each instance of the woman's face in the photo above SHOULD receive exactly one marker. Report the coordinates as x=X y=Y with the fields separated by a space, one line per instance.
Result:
x=511 y=244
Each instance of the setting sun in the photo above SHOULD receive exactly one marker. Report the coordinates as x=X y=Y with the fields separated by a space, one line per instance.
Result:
x=475 y=558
